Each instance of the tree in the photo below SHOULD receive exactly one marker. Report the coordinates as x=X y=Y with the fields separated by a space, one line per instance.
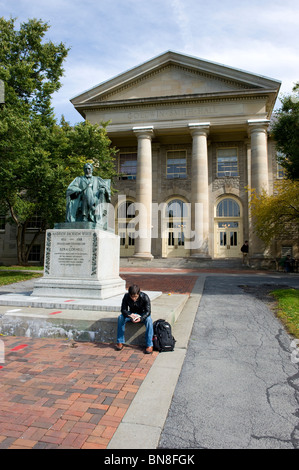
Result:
x=276 y=216
x=39 y=158
x=286 y=133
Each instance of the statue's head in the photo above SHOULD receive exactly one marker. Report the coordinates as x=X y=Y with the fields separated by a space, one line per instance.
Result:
x=88 y=168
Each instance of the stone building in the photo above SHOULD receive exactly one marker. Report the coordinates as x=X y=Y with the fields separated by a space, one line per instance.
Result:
x=192 y=137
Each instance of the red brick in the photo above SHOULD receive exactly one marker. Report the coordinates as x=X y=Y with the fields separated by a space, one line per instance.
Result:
x=24 y=443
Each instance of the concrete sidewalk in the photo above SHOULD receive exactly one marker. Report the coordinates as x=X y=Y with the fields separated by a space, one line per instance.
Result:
x=238 y=388
x=147 y=414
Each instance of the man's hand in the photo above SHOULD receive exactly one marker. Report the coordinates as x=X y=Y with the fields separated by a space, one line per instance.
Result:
x=135 y=317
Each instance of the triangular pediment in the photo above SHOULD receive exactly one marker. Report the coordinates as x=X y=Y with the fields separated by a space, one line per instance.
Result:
x=170 y=80
x=174 y=75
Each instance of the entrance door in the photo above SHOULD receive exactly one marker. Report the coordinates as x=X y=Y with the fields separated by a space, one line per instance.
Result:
x=176 y=228
x=228 y=229
x=228 y=237
x=176 y=240
x=127 y=240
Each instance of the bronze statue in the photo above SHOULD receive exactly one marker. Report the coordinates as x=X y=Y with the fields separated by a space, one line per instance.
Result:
x=87 y=197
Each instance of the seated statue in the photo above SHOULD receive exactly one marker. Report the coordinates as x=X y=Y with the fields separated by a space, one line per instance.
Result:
x=87 y=197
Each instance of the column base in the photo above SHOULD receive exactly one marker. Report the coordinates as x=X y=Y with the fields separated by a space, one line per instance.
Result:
x=147 y=256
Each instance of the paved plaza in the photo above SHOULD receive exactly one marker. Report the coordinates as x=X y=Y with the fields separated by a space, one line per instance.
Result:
x=230 y=382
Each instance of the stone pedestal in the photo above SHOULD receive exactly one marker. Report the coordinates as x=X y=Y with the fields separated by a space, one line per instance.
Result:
x=81 y=263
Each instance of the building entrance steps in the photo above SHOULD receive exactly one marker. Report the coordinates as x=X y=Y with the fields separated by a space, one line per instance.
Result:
x=181 y=263
x=80 y=320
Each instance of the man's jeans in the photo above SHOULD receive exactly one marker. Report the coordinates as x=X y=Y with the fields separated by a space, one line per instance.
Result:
x=149 y=333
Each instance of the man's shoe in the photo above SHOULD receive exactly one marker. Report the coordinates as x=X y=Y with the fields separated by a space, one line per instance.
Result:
x=119 y=346
x=149 y=350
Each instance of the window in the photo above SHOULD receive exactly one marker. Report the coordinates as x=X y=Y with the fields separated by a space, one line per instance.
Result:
x=35 y=222
x=176 y=164
x=286 y=250
x=228 y=239
x=128 y=166
x=177 y=208
x=34 y=254
x=227 y=162
x=228 y=225
x=126 y=210
x=2 y=222
x=280 y=171
x=228 y=208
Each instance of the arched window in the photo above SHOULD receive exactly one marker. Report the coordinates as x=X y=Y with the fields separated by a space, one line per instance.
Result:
x=176 y=208
x=126 y=210
x=228 y=208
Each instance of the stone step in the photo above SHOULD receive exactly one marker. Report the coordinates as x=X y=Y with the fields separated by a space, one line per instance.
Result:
x=83 y=324
x=181 y=263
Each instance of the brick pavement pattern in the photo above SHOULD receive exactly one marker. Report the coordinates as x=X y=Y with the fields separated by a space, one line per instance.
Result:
x=59 y=394
x=56 y=393
x=164 y=283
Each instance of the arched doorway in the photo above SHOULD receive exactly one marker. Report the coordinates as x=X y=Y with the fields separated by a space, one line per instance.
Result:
x=176 y=229
x=228 y=228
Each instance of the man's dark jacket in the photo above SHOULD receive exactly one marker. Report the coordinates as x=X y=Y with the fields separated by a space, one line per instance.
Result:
x=142 y=306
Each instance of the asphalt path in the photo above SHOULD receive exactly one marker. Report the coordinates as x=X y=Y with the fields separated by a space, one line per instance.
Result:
x=238 y=387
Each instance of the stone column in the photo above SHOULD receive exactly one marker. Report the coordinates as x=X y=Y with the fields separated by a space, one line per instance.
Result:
x=259 y=154
x=144 y=192
x=200 y=190
x=258 y=177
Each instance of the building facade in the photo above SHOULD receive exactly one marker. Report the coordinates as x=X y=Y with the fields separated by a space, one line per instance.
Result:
x=192 y=139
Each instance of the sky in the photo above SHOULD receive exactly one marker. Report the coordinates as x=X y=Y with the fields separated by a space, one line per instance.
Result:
x=109 y=37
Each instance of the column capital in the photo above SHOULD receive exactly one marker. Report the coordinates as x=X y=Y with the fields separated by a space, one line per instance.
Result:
x=144 y=131
x=199 y=128
x=258 y=125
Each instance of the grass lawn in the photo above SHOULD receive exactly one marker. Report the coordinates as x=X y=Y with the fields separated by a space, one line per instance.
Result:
x=288 y=309
x=7 y=277
x=21 y=268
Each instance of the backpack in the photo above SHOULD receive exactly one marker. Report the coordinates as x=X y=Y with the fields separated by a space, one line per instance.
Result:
x=163 y=339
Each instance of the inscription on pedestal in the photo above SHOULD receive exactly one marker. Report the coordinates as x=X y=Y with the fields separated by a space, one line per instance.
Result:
x=81 y=264
x=70 y=253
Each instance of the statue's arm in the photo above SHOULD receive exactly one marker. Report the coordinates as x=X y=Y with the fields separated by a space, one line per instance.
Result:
x=74 y=190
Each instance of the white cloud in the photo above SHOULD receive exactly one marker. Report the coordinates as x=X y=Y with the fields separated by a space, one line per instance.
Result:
x=108 y=38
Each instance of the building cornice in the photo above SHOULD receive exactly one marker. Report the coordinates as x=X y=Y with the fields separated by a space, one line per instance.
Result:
x=181 y=99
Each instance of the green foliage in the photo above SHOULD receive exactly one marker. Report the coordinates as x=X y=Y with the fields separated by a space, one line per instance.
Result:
x=39 y=158
x=30 y=68
x=276 y=216
x=286 y=133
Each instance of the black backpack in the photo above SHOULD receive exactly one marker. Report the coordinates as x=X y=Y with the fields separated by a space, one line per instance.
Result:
x=163 y=339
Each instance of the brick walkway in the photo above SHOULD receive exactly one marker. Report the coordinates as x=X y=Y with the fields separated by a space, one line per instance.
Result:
x=167 y=284
x=59 y=394
x=55 y=393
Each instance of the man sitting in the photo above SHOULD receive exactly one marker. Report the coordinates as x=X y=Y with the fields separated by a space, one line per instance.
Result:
x=135 y=307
